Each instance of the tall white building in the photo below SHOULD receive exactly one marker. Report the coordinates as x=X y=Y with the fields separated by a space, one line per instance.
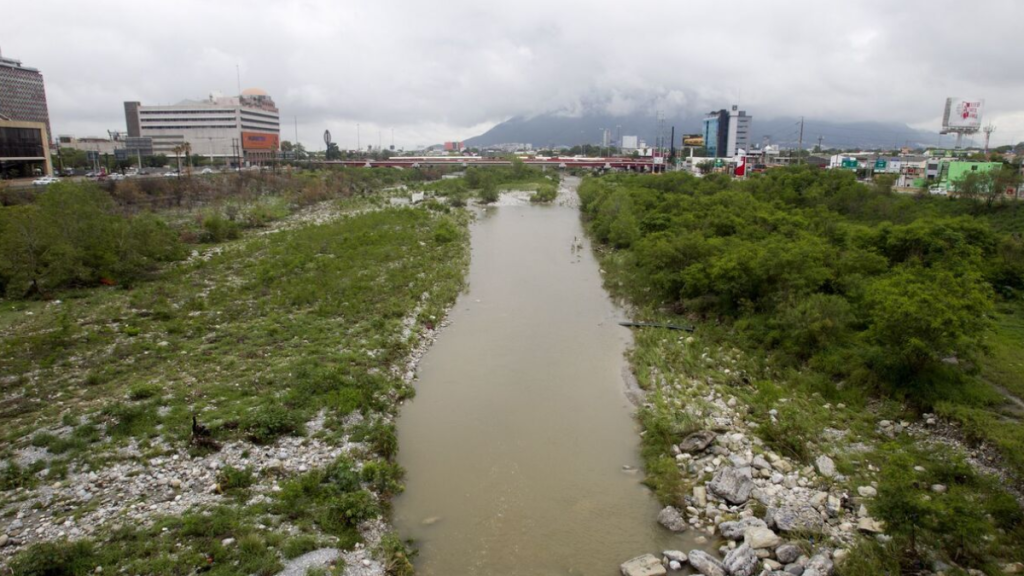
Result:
x=739 y=131
x=247 y=126
x=727 y=132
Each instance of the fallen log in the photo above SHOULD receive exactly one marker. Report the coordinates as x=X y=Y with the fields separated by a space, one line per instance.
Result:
x=656 y=325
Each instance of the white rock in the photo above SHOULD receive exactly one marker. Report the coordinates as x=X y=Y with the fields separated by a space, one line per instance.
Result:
x=826 y=467
x=867 y=491
x=758 y=537
x=646 y=565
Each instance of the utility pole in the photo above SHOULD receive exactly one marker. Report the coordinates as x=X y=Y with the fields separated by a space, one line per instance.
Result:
x=359 y=145
x=800 y=146
x=819 y=142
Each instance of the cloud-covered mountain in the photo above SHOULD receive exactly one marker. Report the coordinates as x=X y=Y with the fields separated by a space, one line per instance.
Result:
x=560 y=129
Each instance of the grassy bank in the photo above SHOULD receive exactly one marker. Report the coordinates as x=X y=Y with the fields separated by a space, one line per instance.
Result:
x=296 y=338
x=818 y=323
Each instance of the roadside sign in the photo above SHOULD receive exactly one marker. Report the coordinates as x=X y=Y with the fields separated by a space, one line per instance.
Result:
x=880 y=164
x=850 y=163
x=719 y=163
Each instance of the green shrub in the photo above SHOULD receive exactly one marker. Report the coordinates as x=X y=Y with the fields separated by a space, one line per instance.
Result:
x=299 y=545
x=73 y=237
x=231 y=479
x=545 y=193
x=143 y=391
x=384 y=477
x=447 y=232
x=489 y=193
x=56 y=559
x=13 y=476
x=380 y=436
x=216 y=228
x=396 y=554
x=125 y=420
x=789 y=433
x=269 y=422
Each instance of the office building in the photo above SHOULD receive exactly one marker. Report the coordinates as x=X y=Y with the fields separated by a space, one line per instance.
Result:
x=726 y=132
x=246 y=127
x=22 y=94
x=24 y=149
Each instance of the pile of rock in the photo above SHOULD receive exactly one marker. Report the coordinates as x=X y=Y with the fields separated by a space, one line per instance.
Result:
x=762 y=552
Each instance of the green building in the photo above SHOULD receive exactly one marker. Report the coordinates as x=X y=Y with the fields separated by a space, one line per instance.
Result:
x=955 y=170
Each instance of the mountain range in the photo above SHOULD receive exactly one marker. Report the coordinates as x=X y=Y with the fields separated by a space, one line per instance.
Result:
x=559 y=129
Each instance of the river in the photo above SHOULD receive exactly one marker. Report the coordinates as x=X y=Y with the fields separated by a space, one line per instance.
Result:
x=520 y=450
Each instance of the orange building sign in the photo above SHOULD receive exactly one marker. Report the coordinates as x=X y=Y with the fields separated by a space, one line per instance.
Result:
x=260 y=141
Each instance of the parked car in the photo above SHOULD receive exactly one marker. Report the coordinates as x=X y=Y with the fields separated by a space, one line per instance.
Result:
x=206 y=171
x=45 y=181
x=170 y=174
x=116 y=176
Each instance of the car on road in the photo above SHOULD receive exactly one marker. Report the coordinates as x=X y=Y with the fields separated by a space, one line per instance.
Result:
x=206 y=171
x=45 y=181
x=116 y=176
x=170 y=174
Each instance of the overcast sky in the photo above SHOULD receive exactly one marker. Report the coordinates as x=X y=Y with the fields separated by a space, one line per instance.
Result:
x=445 y=70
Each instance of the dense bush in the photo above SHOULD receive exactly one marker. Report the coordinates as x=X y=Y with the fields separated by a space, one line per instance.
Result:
x=269 y=422
x=812 y=268
x=331 y=498
x=72 y=237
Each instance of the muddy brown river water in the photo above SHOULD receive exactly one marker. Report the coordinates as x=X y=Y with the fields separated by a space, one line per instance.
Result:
x=516 y=442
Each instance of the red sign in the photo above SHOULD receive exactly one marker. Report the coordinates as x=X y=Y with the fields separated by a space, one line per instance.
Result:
x=260 y=141
x=741 y=166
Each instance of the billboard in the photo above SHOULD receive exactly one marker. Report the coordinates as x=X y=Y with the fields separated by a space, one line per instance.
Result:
x=260 y=141
x=962 y=115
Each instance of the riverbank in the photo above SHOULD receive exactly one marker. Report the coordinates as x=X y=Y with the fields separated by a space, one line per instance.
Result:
x=292 y=347
x=785 y=470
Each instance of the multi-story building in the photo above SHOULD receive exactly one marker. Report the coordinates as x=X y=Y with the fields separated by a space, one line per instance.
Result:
x=22 y=94
x=726 y=132
x=89 y=144
x=24 y=149
x=246 y=127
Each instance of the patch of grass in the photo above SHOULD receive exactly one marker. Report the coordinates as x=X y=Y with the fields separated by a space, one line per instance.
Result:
x=13 y=476
x=231 y=480
x=331 y=499
x=299 y=545
x=57 y=559
x=143 y=391
x=397 y=555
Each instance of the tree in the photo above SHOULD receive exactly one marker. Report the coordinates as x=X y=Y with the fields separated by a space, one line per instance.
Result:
x=918 y=316
x=333 y=153
x=155 y=161
x=489 y=191
x=883 y=183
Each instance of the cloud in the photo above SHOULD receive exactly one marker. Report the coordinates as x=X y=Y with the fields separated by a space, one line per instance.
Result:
x=442 y=70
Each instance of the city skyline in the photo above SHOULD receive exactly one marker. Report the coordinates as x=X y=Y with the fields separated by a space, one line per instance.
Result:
x=434 y=73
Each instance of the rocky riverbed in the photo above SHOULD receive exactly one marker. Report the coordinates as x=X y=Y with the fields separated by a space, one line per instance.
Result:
x=769 y=514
